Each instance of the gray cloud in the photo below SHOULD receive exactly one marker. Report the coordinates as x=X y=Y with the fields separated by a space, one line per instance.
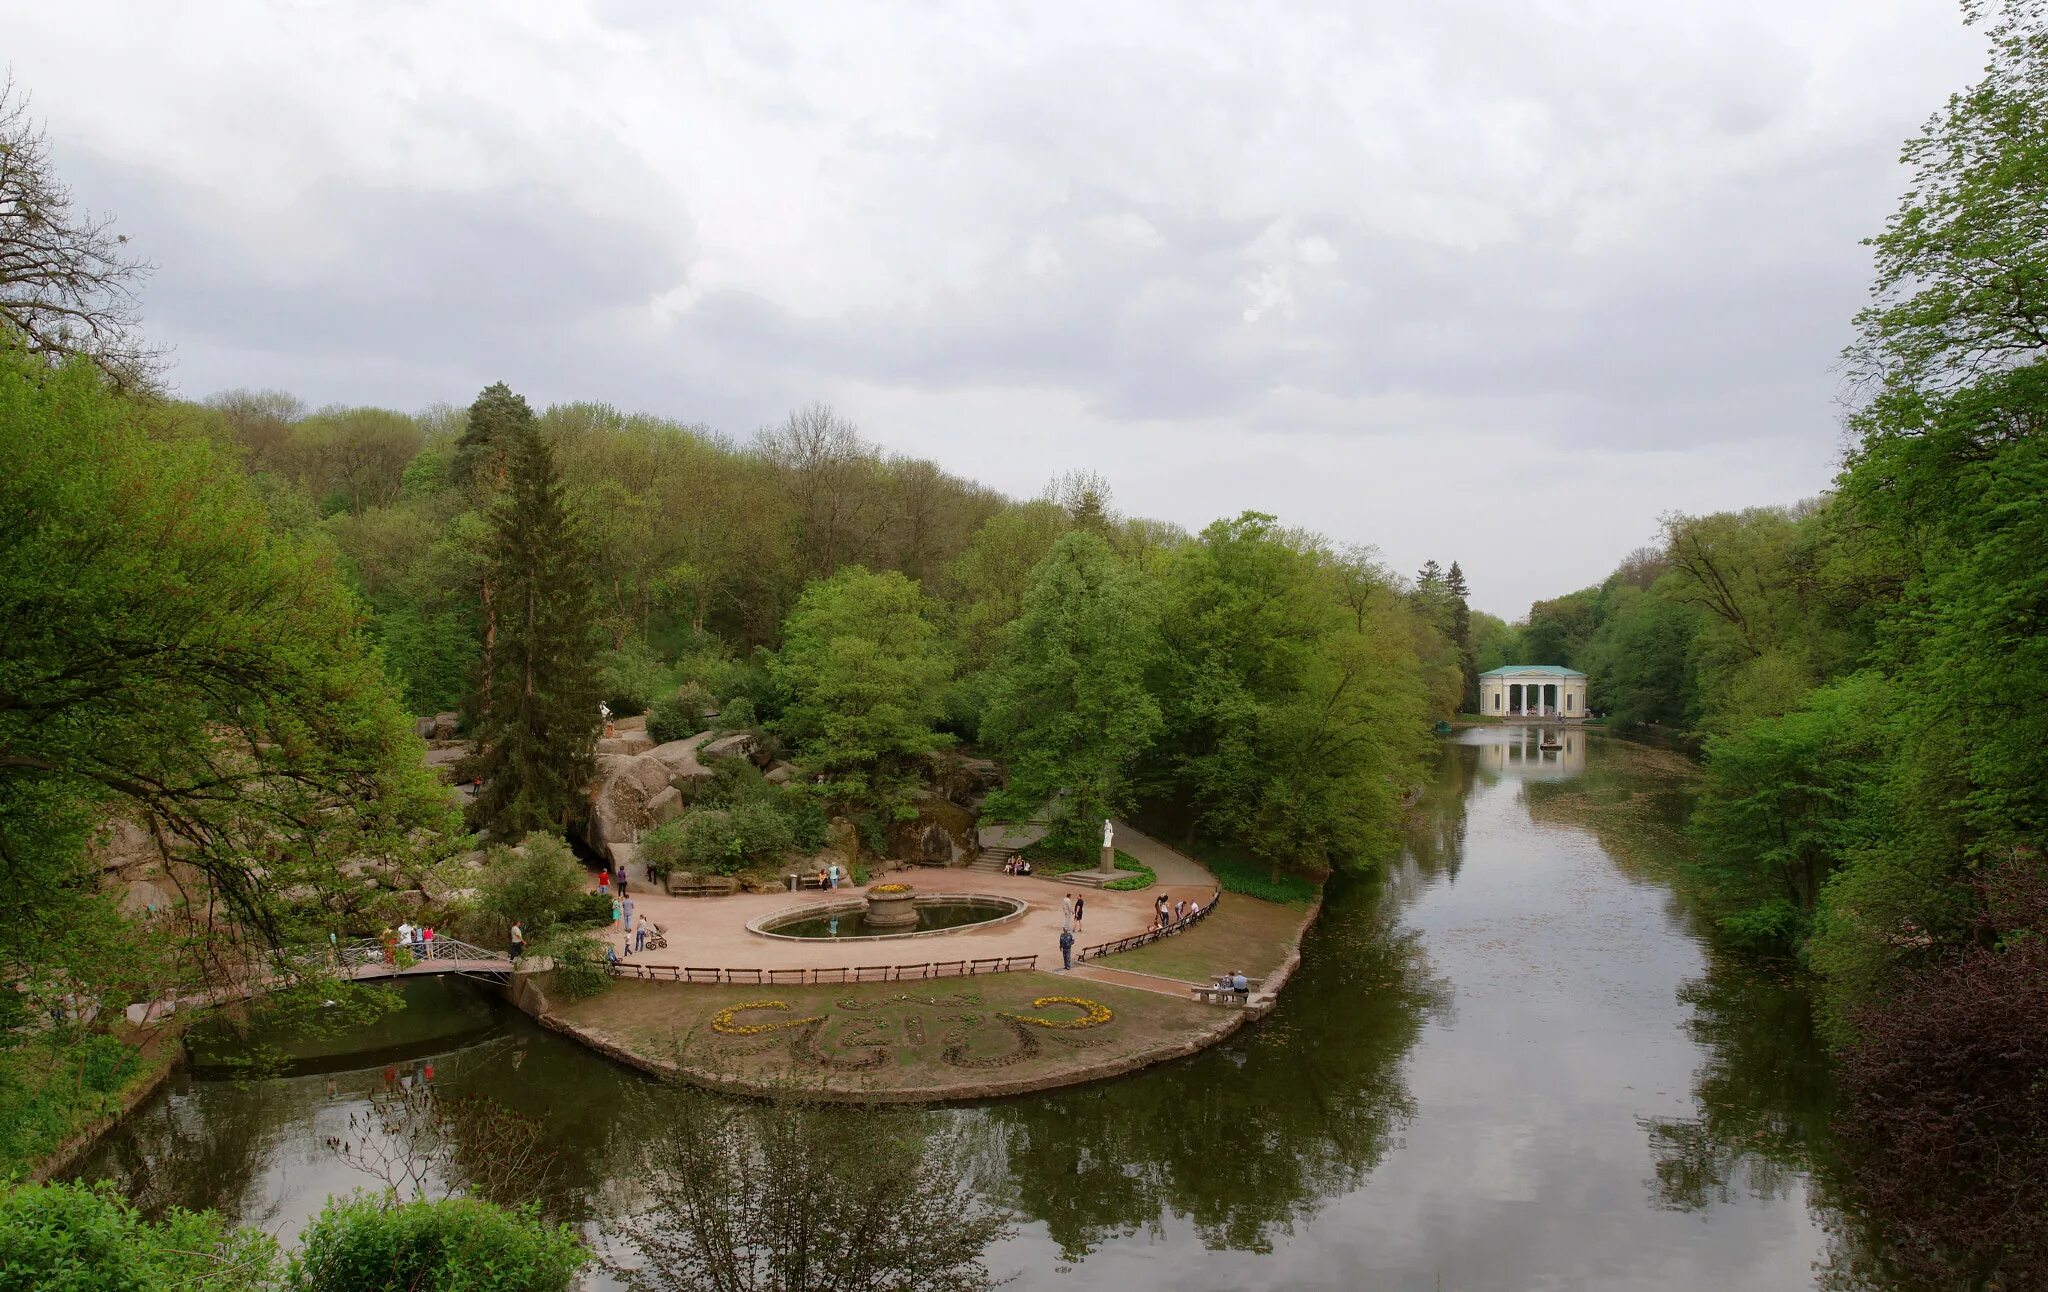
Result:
x=1611 y=245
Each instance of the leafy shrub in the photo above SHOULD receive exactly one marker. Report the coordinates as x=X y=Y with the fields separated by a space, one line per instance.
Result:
x=580 y=969
x=80 y=1238
x=662 y=847
x=725 y=841
x=632 y=679
x=588 y=911
x=1943 y=1121
x=675 y=716
x=736 y=714
x=364 y=1244
x=535 y=886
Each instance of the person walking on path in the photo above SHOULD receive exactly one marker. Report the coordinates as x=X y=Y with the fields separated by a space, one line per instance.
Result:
x=622 y=881
x=604 y=880
x=1067 y=912
x=1067 y=948
x=1080 y=905
x=640 y=933
x=518 y=942
x=626 y=915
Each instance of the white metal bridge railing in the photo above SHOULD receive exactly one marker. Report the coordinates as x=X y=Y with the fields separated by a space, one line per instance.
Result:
x=357 y=953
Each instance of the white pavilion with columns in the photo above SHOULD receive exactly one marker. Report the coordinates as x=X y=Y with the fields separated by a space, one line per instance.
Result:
x=1533 y=691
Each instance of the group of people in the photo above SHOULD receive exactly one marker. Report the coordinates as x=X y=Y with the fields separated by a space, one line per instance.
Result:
x=1016 y=866
x=1171 y=915
x=1073 y=910
x=416 y=938
x=633 y=925
x=634 y=928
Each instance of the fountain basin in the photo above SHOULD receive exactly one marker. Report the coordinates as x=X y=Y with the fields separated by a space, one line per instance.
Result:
x=852 y=920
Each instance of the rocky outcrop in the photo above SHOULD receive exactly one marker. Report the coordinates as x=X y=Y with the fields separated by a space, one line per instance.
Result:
x=619 y=805
x=625 y=742
x=683 y=758
x=440 y=726
x=941 y=834
x=739 y=744
x=963 y=780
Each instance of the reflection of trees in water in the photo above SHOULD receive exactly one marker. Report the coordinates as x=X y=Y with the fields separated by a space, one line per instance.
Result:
x=789 y=1197
x=1250 y=1139
x=1764 y=1096
x=1764 y=1092
x=1436 y=833
x=201 y=1146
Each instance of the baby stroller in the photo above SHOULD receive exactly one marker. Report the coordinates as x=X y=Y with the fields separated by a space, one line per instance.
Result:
x=657 y=938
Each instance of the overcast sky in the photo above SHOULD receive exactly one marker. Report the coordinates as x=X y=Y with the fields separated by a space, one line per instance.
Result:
x=1493 y=280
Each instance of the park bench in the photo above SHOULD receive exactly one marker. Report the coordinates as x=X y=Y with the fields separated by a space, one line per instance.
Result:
x=1221 y=995
x=1021 y=962
x=796 y=881
x=703 y=973
x=786 y=977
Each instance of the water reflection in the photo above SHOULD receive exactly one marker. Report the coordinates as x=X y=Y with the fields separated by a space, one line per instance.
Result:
x=1248 y=1141
x=1512 y=1060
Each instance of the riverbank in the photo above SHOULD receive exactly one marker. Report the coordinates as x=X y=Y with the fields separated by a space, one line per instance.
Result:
x=943 y=1040
x=49 y=1129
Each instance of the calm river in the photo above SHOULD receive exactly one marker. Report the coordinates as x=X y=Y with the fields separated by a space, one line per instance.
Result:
x=1511 y=1063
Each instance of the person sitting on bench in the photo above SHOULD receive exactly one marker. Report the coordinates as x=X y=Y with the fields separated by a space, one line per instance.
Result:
x=1238 y=983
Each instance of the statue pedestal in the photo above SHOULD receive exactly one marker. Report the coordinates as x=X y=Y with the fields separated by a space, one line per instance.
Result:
x=1108 y=866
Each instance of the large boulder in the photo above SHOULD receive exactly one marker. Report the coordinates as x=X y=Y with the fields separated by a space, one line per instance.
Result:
x=444 y=761
x=942 y=833
x=737 y=745
x=445 y=724
x=625 y=742
x=665 y=806
x=682 y=758
x=626 y=784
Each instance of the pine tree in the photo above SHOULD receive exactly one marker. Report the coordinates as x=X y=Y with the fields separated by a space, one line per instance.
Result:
x=1461 y=633
x=496 y=419
x=539 y=725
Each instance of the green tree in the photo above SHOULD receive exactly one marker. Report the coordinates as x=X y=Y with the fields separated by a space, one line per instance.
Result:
x=173 y=660
x=863 y=673
x=532 y=885
x=1068 y=708
x=537 y=721
x=1292 y=719
x=497 y=420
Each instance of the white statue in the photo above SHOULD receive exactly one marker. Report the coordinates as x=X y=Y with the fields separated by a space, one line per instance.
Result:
x=1108 y=833
x=604 y=711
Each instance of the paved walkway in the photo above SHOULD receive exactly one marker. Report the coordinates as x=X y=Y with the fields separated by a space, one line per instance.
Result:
x=712 y=931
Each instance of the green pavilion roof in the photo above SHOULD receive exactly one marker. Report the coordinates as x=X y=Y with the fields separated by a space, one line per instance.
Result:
x=1540 y=670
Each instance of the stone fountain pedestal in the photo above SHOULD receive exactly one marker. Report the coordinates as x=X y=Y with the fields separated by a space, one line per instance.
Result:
x=892 y=906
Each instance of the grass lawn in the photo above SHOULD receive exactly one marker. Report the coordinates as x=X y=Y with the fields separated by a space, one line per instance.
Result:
x=946 y=1035
x=1245 y=933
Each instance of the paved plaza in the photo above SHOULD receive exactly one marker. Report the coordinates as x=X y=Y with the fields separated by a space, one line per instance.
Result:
x=712 y=931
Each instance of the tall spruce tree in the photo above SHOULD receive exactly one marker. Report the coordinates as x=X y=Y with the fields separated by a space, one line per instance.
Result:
x=1461 y=634
x=539 y=722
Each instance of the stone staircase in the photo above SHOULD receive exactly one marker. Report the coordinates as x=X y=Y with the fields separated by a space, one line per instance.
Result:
x=992 y=860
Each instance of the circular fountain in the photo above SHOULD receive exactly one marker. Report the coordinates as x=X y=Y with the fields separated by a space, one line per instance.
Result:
x=888 y=911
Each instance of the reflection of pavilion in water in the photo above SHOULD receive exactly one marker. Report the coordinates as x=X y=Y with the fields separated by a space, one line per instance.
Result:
x=1534 y=751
